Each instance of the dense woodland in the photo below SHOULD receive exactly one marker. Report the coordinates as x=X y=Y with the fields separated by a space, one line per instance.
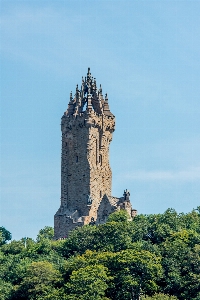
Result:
x=152 y=257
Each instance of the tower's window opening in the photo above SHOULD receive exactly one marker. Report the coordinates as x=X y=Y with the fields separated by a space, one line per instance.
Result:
x=100 y=194
x=100 y=159
x=76 y=158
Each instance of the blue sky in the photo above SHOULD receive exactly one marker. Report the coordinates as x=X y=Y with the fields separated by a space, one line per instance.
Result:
x=146 y=55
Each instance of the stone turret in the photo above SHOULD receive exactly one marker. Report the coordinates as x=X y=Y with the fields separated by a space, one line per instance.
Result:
x=87 y=127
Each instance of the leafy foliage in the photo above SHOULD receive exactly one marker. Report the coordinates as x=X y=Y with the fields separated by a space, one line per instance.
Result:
x=5 y=235
x=152 y=257
x=88 y=283
x=40 y=279
x=46 y=233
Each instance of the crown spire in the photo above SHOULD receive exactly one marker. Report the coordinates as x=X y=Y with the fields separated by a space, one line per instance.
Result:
x=90 y=95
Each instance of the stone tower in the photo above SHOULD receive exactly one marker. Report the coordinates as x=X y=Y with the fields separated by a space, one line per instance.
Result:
x=87 y=127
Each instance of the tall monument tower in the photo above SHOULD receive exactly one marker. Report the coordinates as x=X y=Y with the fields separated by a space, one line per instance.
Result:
x=87 y=127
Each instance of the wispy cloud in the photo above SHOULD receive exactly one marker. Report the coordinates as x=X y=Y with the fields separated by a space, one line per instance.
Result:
x=192 y=174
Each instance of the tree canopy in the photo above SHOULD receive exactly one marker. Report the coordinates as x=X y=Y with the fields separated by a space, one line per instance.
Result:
x=153 y=256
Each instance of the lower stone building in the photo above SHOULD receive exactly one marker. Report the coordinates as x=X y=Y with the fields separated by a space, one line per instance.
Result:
x=87 y=127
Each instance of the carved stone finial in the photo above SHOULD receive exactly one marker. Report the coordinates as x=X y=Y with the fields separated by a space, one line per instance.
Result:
x=100 y=92
x=70 y=109
x=106 y=108
x=88 y=73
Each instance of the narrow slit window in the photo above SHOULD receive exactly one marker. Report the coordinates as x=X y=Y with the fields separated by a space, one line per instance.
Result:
x=96 y=152
x=100 y=159
x=76 y=158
